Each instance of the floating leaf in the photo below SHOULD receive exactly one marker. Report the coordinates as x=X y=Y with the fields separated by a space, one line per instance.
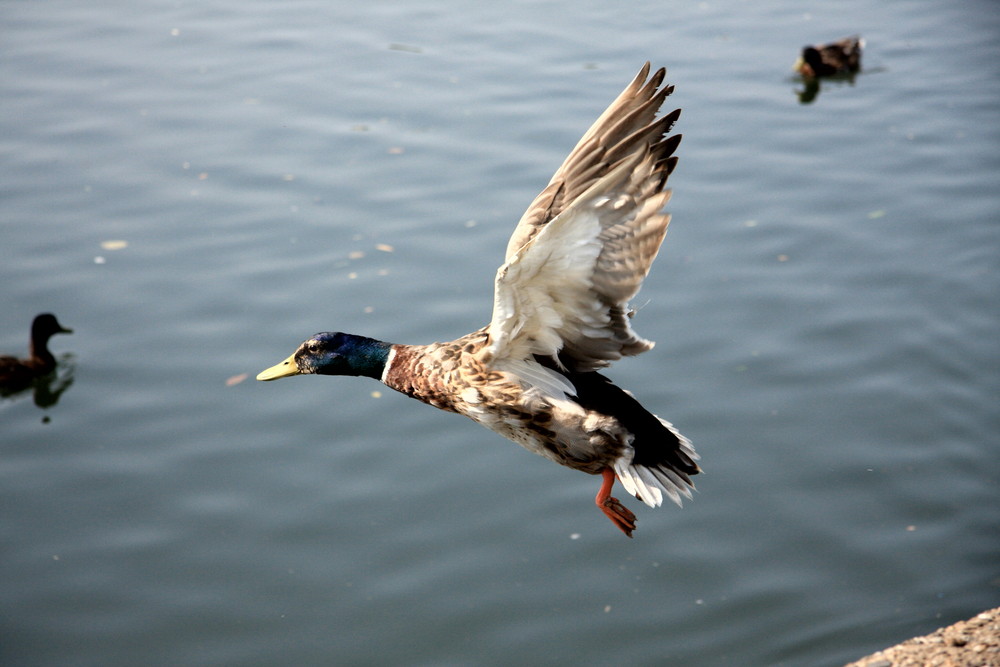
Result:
x=116 y=244
x=236 y=379
x=407 y=48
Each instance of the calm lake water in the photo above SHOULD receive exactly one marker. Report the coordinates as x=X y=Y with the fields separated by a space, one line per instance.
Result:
x=196 y=187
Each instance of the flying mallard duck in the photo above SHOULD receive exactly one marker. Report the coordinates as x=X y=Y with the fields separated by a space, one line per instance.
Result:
x=16 y=372
x=560 y=313
x=841 y=57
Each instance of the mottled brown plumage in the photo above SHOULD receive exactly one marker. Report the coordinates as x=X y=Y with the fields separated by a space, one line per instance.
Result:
x=438 y=374
x=840 y=57
x=578 y=255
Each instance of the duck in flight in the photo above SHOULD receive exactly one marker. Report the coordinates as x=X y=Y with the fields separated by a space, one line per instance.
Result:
x=560 y=314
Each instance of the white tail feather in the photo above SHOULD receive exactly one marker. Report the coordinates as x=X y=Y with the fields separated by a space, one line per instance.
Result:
x=650 y=483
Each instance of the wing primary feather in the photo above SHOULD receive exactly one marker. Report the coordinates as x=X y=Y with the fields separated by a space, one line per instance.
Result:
x=586 y=242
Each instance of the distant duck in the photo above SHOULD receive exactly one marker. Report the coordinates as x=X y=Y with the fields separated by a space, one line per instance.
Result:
x=578 y=255
x=841 y=57
x=16 y=372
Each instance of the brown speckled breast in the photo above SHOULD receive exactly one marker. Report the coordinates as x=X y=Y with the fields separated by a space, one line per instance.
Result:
x=438 y=373
x=451 y=377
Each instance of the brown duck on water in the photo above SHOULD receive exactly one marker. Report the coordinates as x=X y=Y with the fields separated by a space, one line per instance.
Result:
x=560 y=313
x=840 y=57
x=16 y=372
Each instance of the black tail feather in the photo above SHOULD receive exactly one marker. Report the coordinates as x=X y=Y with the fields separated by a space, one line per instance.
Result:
x=655 y=445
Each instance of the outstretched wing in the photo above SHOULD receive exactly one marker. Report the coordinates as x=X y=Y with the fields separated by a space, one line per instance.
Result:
x=584 y=246
x=624 y=128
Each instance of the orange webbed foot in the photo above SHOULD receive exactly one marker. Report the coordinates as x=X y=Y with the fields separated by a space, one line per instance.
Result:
x=620 y=515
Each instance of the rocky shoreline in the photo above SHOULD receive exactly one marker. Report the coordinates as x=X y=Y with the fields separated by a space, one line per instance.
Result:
x=971 y=643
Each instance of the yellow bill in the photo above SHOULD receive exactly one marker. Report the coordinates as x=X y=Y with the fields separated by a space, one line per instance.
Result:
x=284 y=369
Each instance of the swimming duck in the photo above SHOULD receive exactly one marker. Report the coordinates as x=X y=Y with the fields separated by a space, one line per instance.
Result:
x=560 y=313
x=840 y=57
x=16 y=372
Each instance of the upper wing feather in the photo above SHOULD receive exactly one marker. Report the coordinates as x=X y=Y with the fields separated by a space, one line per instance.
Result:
x=624 y=128
x=584 y=246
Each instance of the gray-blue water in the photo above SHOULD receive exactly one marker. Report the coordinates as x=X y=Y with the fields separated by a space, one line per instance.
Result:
x=195 y=187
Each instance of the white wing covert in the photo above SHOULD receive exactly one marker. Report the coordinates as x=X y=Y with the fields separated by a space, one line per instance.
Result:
x=584 y=246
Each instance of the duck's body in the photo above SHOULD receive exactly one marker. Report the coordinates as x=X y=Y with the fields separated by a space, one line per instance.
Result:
x=16 y=372
x=560 y=313
x=579 y=420
x=835 y=58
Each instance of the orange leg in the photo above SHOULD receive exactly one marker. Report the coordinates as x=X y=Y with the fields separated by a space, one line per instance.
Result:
x=618 y=513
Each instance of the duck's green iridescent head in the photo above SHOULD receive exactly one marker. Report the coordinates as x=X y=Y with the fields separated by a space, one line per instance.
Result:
x=333 y=353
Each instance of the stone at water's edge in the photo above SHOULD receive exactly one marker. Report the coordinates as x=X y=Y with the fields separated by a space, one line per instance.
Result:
x=971 y=643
